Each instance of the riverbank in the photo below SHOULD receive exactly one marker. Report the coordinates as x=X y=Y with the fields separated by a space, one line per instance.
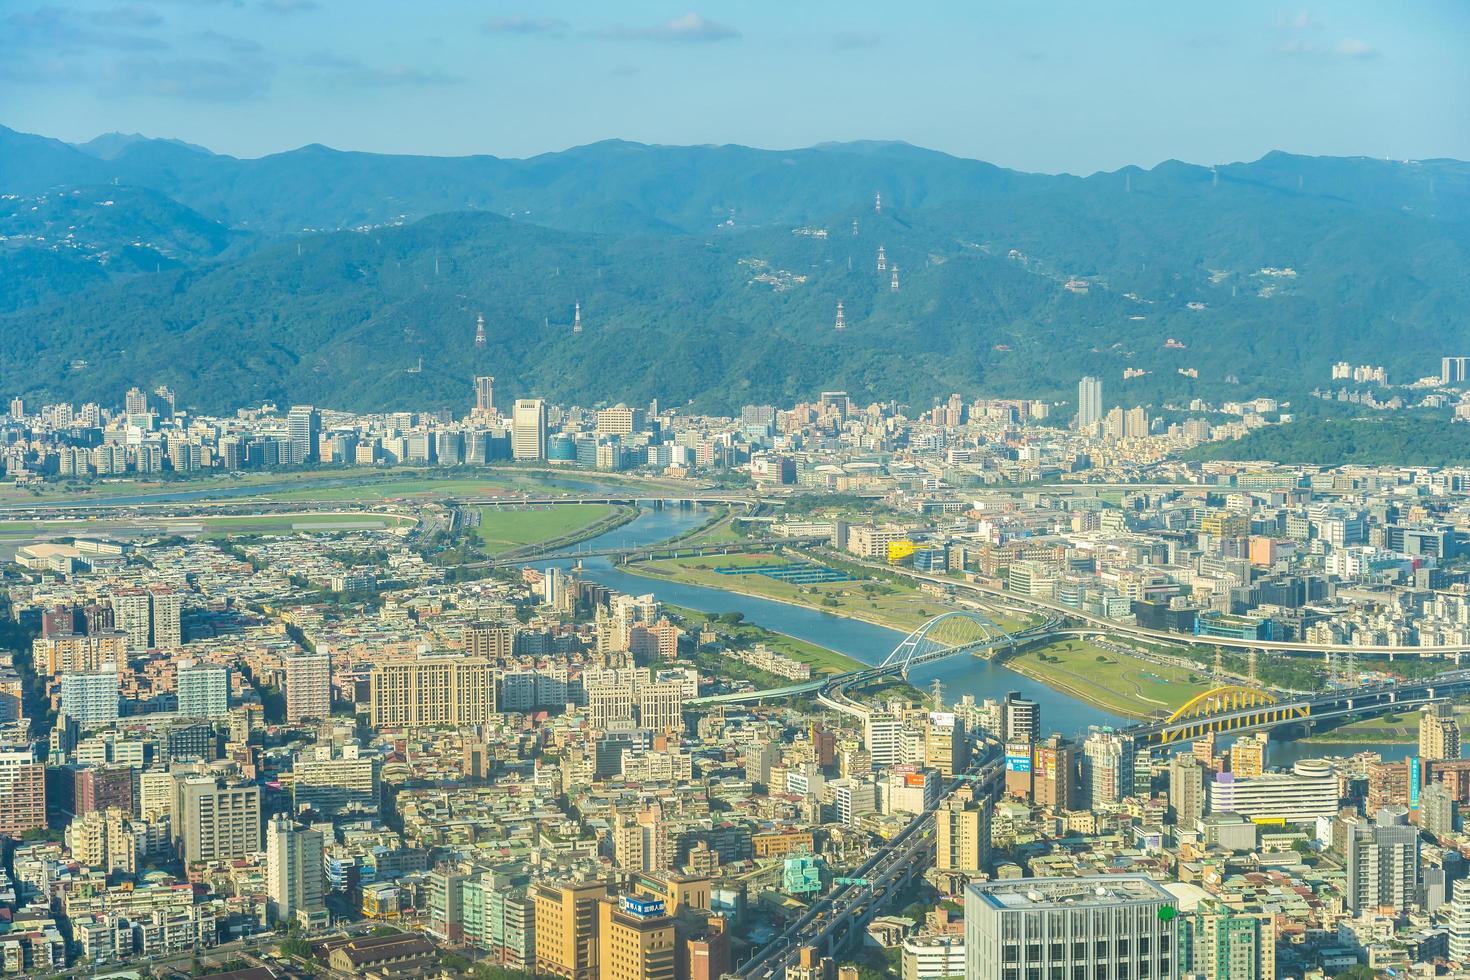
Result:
x=879 y=603
x=550 y=528
x=824 y=662
x=1110 y=680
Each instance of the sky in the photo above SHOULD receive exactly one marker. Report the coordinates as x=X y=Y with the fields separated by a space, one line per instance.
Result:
x=1035 y=85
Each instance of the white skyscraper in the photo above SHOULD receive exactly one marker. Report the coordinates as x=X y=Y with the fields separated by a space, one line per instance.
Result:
x=1089 y=402
x=528 y=429
x=294 y=875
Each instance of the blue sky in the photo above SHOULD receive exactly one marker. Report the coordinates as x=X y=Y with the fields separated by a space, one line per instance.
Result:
x=1074 y=87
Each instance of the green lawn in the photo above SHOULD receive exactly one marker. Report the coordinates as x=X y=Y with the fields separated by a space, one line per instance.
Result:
x=892 y=604
x=507 y=528
x=1116 y=682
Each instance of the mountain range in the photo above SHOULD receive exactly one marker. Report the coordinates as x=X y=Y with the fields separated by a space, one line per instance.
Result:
x=711 y=274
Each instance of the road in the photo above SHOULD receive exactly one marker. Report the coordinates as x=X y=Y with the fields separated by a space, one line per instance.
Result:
x=830 y=921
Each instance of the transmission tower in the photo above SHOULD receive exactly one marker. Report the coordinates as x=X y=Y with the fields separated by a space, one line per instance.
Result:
x=937 y=693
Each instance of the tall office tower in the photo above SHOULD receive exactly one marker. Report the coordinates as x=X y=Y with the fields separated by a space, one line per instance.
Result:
x=90 y=699
x=1186 y=791
x=882 y=734
x=528 y=429
x=945 y=743
x=430 y=691
x=493 y=641
x=1021 y=718
x=635 y=939
x=308 y=686
x=1453 y=370
x=1248 y=755
x=135 y=402
x=485 y=394
x=215 y=820
x=1110 y=926
x=840 y=324
x=17 y=408
x=303 y=428
x=22 y=790
x=133 y=611
x=1439 y=733
x=566 y=929
x=1089 y=402
x=1459 y=920
x=962 y=835
x=203 y=690
x=480 y=330
x=1054 y=773
x=1232 y=945
x=1383 y=863
x=296 y=881
x=167 y=612
x=1107 y=769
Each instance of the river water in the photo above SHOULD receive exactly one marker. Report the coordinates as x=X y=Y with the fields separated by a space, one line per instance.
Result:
x=871 y=644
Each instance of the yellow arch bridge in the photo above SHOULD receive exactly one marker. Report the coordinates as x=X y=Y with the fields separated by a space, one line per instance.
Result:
x=1228 y=709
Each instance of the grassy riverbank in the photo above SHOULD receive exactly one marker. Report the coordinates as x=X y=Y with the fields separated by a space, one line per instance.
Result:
x=894 y=605
x=822 y=660
x=506 y=529
x=1110 y=680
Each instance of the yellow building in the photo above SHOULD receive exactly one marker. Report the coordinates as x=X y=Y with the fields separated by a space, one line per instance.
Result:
x=677 y=892
x=432 y=691
x=1225 y=524
x=899 y=550
x=566 y=929
x=962 y=835
x=635 y=939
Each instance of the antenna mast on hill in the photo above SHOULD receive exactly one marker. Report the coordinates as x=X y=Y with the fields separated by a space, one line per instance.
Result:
x=839 y=325
x=480 y=330
x=577 y=320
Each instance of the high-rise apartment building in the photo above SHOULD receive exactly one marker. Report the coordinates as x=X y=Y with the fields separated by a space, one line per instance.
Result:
x=566 y=929
x=528 y=429
x=1439 y=733
x=1233 y=945
x=1248 y=755
x=133 y=612
x=166 y=612
x=1054 y=773
x=635 y=939
x=1107 y=769
x=1109 y=926
x=1186 y=790
x=945 y=745
x=308 y=686
x=428 y=691
x=303 y=429
x=493 y=641
x=22 y=790
x=1383 y=863
x=962 y=835
x=215 y=820
x=91 y=700
x=1089 y=402
x=203 y=690
x=295 y=879
x=1021 y=718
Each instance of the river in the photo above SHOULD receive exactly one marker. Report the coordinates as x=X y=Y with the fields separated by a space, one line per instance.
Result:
x=870 y=644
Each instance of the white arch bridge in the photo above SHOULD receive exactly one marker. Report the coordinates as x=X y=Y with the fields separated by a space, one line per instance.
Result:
x=946 y=635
